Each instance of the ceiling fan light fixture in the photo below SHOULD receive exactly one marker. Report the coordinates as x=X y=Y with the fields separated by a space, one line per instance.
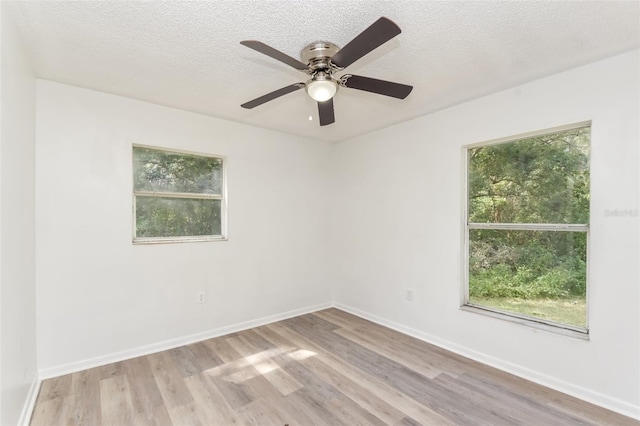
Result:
x=321 y=89
x=321 y=59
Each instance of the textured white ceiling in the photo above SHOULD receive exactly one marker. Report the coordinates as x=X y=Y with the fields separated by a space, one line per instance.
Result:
x=187 y=54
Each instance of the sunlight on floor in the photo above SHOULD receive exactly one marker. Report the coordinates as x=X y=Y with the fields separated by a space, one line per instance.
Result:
x=301 y=354
x=253 y=365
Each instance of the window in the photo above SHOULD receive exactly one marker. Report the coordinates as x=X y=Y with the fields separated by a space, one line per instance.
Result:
x=177 y=196
x=527 y=228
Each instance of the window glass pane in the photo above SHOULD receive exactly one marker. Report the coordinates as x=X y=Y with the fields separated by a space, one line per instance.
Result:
x=155 y=170
x=177 y=217
x=536 y=273
x=542 y=179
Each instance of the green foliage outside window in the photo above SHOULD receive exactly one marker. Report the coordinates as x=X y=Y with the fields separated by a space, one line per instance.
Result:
x=176 y=217
x=176 y=194
x=537 y=180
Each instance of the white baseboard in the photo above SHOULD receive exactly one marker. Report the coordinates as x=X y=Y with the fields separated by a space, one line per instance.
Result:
x=30 y=402
x=73 y=367
x=588 y=395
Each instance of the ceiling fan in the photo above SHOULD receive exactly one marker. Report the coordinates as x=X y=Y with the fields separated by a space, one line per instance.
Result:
x=322 y=59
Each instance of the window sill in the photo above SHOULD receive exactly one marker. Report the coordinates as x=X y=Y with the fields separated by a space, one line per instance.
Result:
x=142 y=241
x=557 y=328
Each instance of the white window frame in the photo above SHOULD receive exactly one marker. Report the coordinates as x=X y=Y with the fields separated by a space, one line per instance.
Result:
x=465 y=304
x=194 y=196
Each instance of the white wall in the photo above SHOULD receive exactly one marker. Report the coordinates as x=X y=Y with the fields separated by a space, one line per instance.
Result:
x=100 y=297
x=17 y=240
x=397 y=224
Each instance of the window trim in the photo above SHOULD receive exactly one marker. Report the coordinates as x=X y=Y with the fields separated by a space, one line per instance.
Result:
x=198 y=196
x=514 y=317
x=530 y=226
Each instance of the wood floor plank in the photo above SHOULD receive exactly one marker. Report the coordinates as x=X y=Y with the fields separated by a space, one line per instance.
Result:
x=48 y=412
x=321 y=392
x=340 y=320
x=221 y=349
x=398 y=354
x=362 y=396
x=286 y=408
x=378 y=411
x=438 y=358
x=172 y=388
x=231 y=376
x=325 y=368
x=417 y=351
x=84 y=406
x=185 y=361
x=116 y=405
x=313 y=405
x=374 y=405
x=204 y=356
x=145 y=395
x=429 y=393
x=262 y=361
x=266 y=392
x=407 y=421
x=351 y=412
x=58 y=388
x=215 y=408
x=186 y=414
x=109 y=370
x=503 y=399
x=591 y=413
x=371 y=383
x=261 y=412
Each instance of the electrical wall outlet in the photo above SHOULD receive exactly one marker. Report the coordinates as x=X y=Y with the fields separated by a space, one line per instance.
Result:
x=201 y=297
x=408 y=295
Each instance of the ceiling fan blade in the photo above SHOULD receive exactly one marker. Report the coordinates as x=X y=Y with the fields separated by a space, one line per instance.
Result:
x=377 y=34
x=381 y=87
x=273 y=95
x=275 y=54
x=325 y=112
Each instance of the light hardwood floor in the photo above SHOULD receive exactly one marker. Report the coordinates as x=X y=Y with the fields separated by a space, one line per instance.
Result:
x=326 y=368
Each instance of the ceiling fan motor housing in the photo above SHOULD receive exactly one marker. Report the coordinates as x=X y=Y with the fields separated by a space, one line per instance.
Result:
x=318 y=55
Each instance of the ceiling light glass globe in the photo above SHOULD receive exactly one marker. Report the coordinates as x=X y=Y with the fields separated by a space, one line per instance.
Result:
x=321 y=90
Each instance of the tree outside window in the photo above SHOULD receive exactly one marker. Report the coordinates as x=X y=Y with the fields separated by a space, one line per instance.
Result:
x=177 y=196
x=527 y=227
